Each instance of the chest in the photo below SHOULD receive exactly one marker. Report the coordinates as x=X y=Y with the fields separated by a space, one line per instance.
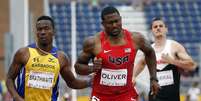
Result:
x=117 y=55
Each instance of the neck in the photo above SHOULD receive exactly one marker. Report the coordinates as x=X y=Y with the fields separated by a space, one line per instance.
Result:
x=116 y=40
x=160 y=41
x=44 y=48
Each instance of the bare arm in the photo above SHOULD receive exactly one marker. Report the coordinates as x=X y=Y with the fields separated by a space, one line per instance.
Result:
x=81 y=65
x=150 y=59
x=139 y=67
x=149 y=54
x=181 y=58
x=68 y=76
x=20 y=58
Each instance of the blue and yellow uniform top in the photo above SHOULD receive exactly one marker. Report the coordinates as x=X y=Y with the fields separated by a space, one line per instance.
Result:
x=38 y=79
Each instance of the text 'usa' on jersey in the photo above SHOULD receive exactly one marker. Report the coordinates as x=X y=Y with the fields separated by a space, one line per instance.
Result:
x=117 y=66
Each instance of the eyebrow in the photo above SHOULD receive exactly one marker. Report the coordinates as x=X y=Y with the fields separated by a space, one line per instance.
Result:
x=160 y=25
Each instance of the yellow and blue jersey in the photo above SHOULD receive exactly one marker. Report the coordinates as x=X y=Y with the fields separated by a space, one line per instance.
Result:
x=38 y=79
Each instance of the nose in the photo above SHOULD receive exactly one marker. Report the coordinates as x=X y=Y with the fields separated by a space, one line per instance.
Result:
x=114 y=24
x=43 y=32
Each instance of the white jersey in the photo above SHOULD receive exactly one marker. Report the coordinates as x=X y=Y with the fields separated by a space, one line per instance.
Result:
x=165 y=50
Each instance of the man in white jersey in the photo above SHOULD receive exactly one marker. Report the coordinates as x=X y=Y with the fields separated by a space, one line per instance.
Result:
x=171 y=58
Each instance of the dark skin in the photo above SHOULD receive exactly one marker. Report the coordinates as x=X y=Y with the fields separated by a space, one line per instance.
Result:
x=44 y=35
x=113 y=27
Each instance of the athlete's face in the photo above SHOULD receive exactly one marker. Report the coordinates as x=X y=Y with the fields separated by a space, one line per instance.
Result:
x=159 y=28
x=112 y=24
x=44 y=32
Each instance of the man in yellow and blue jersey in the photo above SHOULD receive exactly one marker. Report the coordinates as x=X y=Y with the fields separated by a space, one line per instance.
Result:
x=37 y=67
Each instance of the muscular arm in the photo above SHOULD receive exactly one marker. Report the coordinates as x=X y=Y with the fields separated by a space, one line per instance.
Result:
x=140 y=64
x=20 y=58
x=183 y=60
x=81 y=65
x=150 y=58
x=138 y=68
x=67 y=74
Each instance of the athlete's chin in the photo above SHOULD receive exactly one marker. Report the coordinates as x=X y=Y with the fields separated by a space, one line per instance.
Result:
x=43 y=43
x=159 y=35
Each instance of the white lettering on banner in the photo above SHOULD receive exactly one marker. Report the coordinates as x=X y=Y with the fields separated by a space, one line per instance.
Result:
x=42 y=80
x=165 y=78
x=111 y=77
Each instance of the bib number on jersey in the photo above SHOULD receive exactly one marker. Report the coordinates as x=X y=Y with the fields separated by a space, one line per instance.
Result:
x=110 y=77
x=42 y=80
x=165 y=78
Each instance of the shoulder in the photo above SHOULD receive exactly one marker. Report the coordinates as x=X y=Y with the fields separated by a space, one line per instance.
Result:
x=22 y=51
x=139 y=39
x=90 y=42
x=174 y=42
x=176 y=45
x=137 y=36
x=92 y=39
x=62 y=55
x=63 y=58
x=22 y=55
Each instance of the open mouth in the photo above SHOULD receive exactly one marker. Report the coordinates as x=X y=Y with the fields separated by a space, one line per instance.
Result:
x=115 y=31
x=43 y=39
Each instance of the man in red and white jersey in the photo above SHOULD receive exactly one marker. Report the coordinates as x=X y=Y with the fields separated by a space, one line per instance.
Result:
x=113 y=51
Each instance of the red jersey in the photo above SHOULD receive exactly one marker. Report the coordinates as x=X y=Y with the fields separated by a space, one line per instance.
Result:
x=115 y=77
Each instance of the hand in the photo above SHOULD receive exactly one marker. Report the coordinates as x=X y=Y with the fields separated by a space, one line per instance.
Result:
x=166 y=58
x=90 y=79
x=154 y=87
x=97 y=64
x=134 y=81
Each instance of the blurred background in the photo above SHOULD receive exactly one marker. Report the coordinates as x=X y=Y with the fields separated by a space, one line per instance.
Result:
x=78 y=19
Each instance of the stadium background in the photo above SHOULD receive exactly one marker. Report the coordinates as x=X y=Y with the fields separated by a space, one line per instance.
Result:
x=77 y=19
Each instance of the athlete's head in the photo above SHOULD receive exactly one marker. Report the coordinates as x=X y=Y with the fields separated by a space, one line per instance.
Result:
x=158 y=27
x=111 y=21
x=45 y=30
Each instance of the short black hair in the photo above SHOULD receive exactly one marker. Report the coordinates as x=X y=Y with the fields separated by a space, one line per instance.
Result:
x=156 y=19
x=108 y=10
x=44 y=17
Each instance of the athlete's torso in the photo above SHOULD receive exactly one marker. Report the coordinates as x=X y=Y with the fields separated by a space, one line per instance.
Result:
x=38 y=79
x=168 y=76
x=117 y=66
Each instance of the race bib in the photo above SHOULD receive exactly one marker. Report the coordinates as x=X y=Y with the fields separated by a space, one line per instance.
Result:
x=165 y=78
x=42 y=80
x=110 y=77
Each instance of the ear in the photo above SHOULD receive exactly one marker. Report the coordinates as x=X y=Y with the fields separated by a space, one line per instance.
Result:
x=102 y=22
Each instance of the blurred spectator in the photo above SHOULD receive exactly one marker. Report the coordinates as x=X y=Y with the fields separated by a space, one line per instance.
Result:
x=187 y=98
x=94 y=3
x=139 y=4
x=3 y=90
x=194 y=92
